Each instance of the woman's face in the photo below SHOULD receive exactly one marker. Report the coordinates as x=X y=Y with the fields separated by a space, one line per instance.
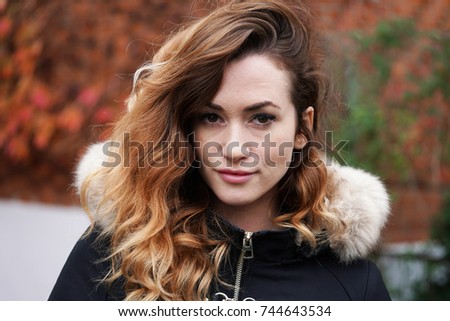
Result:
x=246 y=136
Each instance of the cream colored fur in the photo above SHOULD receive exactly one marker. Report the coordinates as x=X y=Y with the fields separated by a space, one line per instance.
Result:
x=357 y=197
x=361 y=201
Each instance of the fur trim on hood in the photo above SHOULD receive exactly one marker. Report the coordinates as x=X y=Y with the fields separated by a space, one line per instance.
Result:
x=357 y=197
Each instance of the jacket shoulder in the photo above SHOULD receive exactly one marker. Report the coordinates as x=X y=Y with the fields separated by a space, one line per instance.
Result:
x=80 y=278
x=361 y=279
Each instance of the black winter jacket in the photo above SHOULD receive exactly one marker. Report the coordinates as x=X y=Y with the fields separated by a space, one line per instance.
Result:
x=274 y=268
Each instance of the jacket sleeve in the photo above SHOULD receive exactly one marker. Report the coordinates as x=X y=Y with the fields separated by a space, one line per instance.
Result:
x=80 y=277
x=376 y=289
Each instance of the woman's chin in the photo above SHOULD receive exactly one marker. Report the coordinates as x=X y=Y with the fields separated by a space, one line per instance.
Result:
x=234 y=202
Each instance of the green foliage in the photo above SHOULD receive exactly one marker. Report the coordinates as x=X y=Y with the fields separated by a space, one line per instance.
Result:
x=394 y=34
x=439 y=78
x=441 y=227
x=396 y=81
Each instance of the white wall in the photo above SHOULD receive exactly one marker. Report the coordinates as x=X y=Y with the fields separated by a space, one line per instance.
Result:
x=35 y=240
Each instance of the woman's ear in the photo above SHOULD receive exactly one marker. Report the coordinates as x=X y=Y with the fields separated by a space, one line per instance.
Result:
x=308 y=120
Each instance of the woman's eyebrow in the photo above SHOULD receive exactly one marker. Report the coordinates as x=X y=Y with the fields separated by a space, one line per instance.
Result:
x=251 y=107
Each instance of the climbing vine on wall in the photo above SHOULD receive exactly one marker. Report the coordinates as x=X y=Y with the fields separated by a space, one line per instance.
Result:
x=396 y=83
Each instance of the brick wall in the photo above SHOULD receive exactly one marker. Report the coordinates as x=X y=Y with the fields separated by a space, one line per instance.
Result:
x=346 y=15
x=413 y=210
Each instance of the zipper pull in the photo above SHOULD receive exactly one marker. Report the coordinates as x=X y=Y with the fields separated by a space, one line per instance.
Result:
x=246 y=253
x=247 y=245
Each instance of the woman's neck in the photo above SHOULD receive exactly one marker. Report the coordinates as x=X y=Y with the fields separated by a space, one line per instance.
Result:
x=250 y=217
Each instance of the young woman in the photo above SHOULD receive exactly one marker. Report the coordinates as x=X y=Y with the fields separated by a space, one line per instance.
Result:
x=212 y=186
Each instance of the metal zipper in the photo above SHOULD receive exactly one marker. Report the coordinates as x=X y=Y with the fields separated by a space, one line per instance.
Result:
x=246 y=253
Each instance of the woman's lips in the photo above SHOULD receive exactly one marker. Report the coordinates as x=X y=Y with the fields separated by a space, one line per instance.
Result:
x=235 y=177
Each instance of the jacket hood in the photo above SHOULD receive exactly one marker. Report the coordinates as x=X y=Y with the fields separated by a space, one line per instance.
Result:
x=357 y=197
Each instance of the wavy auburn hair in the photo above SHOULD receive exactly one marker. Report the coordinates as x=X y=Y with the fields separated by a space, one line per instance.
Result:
x=162 y=244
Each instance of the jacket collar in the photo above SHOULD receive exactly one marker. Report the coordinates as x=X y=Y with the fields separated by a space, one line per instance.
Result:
x=280 y=246
x=273 y=246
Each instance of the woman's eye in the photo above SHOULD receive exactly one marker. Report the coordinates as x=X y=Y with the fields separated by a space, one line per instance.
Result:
x=210 y=118
x=263 y=119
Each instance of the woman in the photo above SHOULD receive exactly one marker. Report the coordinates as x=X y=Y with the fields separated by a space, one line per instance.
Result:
x=212 y=186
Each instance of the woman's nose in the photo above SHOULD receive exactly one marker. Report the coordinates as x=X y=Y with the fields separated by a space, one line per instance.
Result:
x=234 y=143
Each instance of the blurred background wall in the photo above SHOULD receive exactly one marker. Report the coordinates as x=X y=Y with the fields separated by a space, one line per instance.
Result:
x=66 y=68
